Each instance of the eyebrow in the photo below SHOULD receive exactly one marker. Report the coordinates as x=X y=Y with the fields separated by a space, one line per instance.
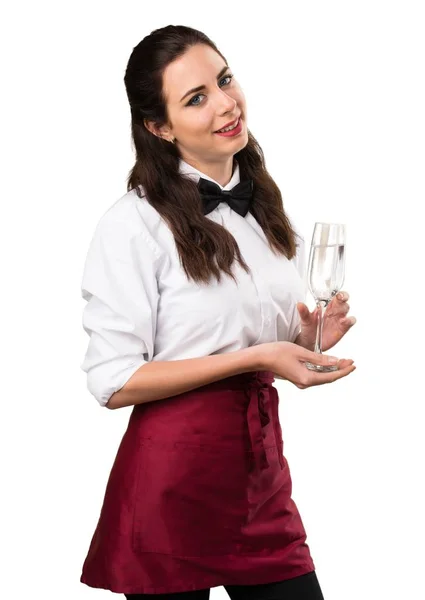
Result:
x=202 y=87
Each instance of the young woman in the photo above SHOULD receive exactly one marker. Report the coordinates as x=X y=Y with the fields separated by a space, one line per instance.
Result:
x=192 y=281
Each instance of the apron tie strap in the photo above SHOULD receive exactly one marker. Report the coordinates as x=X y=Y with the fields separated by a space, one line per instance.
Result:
x=257 y=419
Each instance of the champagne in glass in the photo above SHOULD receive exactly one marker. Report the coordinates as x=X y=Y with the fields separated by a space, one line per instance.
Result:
x=326 y=272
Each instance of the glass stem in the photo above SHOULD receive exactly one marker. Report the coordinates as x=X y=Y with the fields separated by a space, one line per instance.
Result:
x=320 y=318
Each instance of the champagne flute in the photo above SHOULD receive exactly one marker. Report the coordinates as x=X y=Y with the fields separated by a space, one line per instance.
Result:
x=326 y=273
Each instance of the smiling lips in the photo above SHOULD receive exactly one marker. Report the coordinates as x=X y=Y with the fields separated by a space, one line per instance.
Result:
x=231 y=124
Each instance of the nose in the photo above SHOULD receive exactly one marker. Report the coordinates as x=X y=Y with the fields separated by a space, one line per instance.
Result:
x=225 y=102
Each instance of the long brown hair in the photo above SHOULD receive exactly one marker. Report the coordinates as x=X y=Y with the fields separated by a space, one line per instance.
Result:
x=205 y=247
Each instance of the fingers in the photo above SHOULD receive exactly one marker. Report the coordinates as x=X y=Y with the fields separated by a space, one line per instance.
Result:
x=342 y=299
x=310 y=378
x=314 y=378
x=340 y=373
x=345 y=367
x=316 y=358
x=344 y=308
x=344 y=363
x=339 y=304
x=303 y=311
x=343 y=296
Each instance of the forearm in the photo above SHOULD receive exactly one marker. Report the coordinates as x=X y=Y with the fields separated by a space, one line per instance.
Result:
x=161 y=379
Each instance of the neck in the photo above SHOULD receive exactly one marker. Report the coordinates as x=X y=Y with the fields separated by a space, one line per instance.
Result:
x=221 y=172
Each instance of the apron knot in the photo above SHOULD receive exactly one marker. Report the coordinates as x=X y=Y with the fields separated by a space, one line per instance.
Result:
x=258 y=418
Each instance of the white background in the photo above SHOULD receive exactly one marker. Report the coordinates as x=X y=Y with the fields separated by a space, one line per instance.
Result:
x=336 y=98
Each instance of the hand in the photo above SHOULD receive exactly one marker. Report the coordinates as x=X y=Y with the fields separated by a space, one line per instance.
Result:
x=286 y=360
x=335 y=324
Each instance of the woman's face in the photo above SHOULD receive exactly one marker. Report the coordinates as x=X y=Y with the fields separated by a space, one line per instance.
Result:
x=195 y=116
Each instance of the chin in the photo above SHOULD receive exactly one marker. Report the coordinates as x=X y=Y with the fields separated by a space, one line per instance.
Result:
x=243 y=143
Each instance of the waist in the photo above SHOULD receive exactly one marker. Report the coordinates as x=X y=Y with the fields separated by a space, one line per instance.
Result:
x=240 y=381
x=213 y=413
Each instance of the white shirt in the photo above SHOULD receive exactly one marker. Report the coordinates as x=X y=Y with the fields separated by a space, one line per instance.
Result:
x=141 y=306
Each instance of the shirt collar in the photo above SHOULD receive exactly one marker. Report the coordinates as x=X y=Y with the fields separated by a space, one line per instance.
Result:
x=195 y=175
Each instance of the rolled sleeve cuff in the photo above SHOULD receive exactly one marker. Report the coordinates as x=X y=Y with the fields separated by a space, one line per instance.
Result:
x=101 y=384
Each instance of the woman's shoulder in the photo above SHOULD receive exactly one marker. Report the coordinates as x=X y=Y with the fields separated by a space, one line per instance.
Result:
x=130 y=216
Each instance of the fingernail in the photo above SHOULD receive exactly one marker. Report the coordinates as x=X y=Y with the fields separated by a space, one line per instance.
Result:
x=340 y=297
x=333 y=360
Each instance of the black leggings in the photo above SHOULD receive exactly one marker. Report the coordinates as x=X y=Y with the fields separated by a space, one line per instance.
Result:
x=305 y=587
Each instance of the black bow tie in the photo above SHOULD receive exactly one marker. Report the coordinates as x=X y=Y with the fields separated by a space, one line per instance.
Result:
x=238 y=198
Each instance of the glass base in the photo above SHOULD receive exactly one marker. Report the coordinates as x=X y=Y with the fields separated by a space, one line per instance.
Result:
x=321 y=368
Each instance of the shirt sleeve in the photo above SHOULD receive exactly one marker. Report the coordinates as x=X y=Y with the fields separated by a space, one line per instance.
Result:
x=120 y=287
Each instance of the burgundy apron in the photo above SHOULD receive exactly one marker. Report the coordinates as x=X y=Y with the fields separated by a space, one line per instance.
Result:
x=199 y=495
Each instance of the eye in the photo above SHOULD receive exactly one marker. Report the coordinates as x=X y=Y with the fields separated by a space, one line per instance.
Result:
x=230 y=77
x=191 y=101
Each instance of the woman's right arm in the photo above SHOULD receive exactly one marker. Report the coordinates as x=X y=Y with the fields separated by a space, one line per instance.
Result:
x=161 y=379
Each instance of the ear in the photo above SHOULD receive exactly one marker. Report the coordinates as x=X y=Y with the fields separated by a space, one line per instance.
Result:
x=161 y=131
